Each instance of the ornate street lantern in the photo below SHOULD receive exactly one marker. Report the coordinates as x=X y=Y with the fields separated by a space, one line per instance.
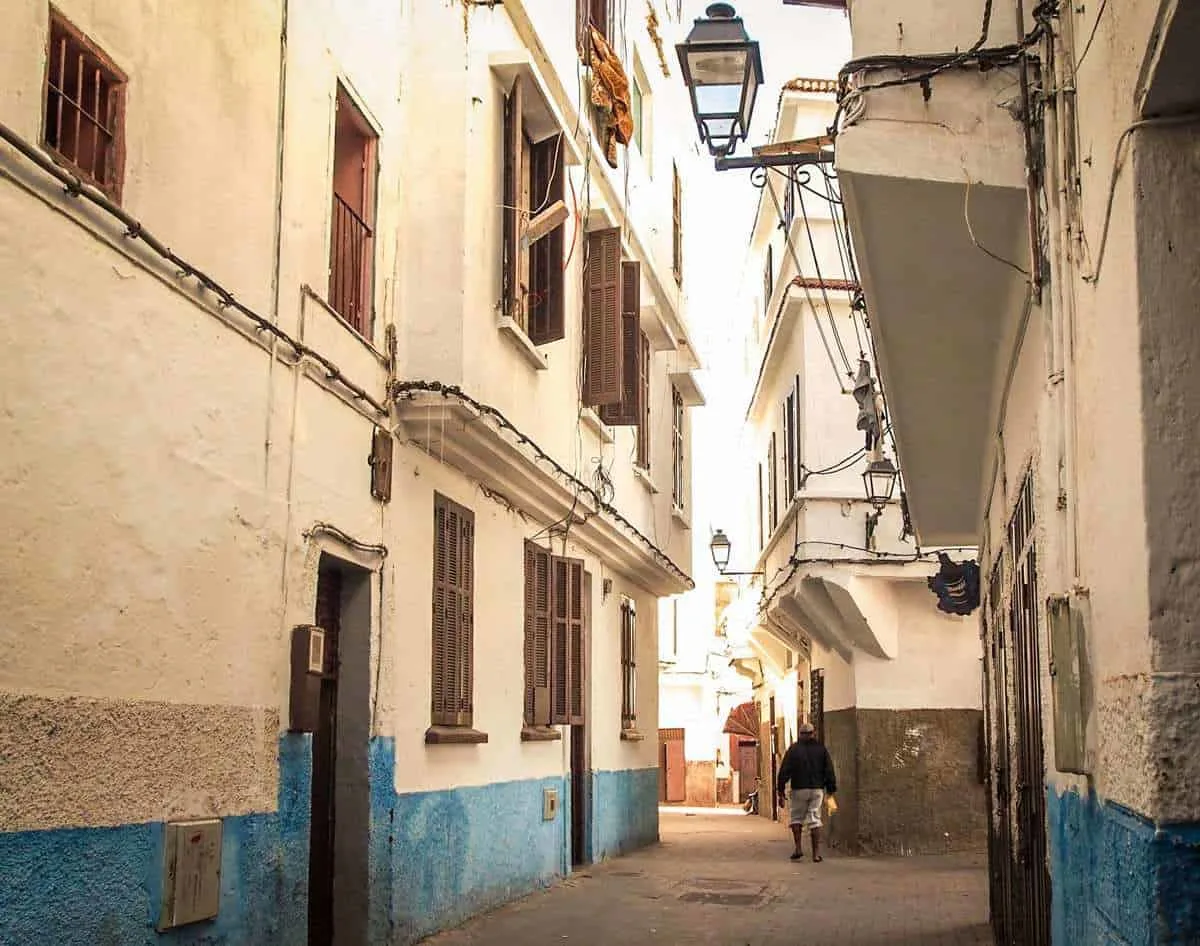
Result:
x=880 y=480
x=719 y=547
x=722 y=69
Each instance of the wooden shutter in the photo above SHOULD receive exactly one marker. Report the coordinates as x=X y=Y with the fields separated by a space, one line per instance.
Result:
x=677 y=225
x=643 y=431
x=513 y=137
x=537 y=635
x=603 y=348
x=773 y=483
x=628 y=664
x=546 y=322
x=453 y=613
x=789 y=443
x=577 y=611
x=761 y=530
x=628 y=411
x=560 y=642
x=797 y=435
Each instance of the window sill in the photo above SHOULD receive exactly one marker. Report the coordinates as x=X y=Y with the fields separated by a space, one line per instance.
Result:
x=454 y=735
x=632 y=735
x=592 y=420
x=521 y=342
x=678 y=514
x=643 y=476
x=539 y=734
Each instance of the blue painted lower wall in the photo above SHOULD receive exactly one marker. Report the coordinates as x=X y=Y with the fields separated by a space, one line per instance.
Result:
x=624 y=812
x=1119 y=880
x=435 y=859
x=103 y=886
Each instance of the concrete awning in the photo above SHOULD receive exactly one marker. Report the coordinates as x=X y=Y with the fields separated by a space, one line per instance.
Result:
x=939 y=221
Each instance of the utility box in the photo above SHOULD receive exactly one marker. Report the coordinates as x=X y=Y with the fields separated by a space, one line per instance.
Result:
x=1070 y=679
x=191 y=872
x=549 y=804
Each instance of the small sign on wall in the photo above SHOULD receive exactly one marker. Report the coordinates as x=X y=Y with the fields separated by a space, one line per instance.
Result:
x=191 y=872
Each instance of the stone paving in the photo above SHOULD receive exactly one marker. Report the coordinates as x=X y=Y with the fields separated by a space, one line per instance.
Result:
x=725 y=879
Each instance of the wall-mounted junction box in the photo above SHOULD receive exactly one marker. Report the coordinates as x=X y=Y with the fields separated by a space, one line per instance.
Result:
x=191 y=889
x=1068 y=617
x=549 y=804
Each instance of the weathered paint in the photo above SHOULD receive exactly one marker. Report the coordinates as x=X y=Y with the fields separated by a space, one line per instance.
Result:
x=1119 y=878
x=103 y=886
x=624 y=811
x=436 y=858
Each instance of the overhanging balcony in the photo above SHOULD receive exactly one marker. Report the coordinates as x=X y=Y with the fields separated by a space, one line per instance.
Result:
x=934 y=182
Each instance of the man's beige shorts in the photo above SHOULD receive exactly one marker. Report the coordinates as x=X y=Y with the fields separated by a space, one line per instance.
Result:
x=806 y=807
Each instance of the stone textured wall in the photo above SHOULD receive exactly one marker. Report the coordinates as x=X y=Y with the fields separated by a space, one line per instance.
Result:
x=908 y=781
x=841 y=739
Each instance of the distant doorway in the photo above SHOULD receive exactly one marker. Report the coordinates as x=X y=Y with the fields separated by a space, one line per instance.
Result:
x=672 y=766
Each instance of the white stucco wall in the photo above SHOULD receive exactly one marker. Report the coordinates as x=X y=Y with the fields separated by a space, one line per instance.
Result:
x=164 y=473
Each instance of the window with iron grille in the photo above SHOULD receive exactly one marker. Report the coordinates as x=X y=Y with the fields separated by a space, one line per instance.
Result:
x=453 y=613
x=534 y=216
x=84 y=119
x=677 y=225
x=643 y=431
x=555 y=638
x=352 y=222
x=678 y=419
x=628 y=664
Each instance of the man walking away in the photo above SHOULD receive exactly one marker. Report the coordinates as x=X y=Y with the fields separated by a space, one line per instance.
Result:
x=807 y=767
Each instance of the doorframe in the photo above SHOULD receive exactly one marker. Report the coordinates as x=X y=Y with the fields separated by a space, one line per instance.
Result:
x=360 y=608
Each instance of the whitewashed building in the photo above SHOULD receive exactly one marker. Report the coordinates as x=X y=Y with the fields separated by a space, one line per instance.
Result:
x=345 y=432
x=1021 y=182
x=844 y=631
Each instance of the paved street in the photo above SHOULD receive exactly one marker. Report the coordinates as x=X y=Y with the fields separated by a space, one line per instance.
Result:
x=726 y=879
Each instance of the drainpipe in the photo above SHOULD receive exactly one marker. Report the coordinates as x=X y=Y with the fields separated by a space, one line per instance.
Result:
x=1059 y=185
x=276 y=238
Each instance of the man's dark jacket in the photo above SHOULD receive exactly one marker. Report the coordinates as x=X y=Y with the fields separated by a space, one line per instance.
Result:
x=806 y=764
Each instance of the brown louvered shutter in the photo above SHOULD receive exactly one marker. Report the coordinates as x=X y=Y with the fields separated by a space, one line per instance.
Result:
x=537 y=635
x=453 y=613
x=629 y=410
x=513 y=135
x=643 y=430
x=603 y=351
x=466 y=627
x=546 y=309
x=577 y=612
x=560 y=642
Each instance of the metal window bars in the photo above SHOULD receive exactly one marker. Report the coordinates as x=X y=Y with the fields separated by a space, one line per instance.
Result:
x=349 y=266
x=81 y=108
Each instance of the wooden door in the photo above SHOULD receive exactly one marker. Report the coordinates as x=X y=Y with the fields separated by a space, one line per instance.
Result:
x=324 y=767
x=673 y=764
x=747 y=764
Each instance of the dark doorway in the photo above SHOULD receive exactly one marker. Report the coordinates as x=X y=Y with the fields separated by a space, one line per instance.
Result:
x=340 y=827
x=579 y=796
x=581 y=765
x=1020 y=881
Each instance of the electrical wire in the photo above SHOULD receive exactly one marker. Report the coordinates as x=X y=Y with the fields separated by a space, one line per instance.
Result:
x=1118 y=164
x=410 y=389
x=1092 y=36
x=134 y=230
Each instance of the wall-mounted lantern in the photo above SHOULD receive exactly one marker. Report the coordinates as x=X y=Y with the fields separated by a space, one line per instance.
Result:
x=722 y=69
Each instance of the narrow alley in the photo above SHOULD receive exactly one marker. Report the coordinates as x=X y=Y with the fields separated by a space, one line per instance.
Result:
x=724 y=878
